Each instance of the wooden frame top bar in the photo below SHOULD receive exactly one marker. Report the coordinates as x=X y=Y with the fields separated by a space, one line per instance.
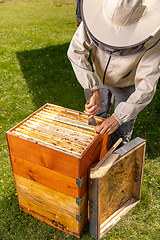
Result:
x=57 y=127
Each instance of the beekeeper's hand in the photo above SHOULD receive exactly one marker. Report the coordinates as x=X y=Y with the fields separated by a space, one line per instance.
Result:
x=93 y=105
x=108 y=126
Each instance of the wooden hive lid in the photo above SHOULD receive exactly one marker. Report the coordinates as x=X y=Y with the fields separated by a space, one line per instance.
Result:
x=57 y=127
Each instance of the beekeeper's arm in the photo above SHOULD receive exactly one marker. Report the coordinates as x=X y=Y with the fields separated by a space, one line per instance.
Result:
x=146 y=79
x=78 y=53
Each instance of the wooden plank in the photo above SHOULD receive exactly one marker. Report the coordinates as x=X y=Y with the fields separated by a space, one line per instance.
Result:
x=72 y=113
x=116 y=187
x=139 y=166
x=67 y=120
x=50 y=122
x=56 y=215
x=47 y=177
x=49 y=195
x=121 y=151
x=55 y=160
x=117 y=216
x=57 y=141
x=57 y=225
x=47 y=144
x=104 y=148
x=55 y=108
x=52 y=133
x=44 y=156
x=52 y=128
x=94 y=207
x=60 y=129
x=46 y=220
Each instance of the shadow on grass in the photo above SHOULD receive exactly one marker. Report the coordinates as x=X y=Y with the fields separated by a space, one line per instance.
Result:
x=50 y=77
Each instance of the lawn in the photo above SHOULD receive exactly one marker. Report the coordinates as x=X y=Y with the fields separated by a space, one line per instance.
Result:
x=34 y=69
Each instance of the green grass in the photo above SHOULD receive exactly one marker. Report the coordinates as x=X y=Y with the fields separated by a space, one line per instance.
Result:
x=34 y=69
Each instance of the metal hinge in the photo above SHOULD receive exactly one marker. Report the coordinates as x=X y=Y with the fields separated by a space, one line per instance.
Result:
x=136 y=178
x=79 y=181
x=79 y=218
x=79 y=201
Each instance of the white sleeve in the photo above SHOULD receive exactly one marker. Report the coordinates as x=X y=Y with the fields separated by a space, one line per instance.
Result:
x=146 y=79
x=78 y=53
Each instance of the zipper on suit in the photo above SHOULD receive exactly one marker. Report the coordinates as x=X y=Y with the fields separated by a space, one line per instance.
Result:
x=106 y=68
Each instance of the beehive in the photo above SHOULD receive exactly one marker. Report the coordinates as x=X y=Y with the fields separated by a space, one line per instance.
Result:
x=50 y=153
x=114 y=195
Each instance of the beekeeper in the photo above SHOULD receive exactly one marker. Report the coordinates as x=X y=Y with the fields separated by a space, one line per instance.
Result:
x=123 y=37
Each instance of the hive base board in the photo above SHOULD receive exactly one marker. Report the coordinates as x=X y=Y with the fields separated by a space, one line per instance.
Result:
x=55 y=225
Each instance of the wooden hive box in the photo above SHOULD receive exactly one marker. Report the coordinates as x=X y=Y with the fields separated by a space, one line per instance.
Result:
x=114 y=195
x=50 y=153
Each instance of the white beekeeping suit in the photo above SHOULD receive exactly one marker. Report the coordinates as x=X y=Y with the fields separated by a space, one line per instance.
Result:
x=124 y=40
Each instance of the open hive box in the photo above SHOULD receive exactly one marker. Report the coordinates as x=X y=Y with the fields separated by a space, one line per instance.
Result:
x=114 y=195
x=50 y=153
